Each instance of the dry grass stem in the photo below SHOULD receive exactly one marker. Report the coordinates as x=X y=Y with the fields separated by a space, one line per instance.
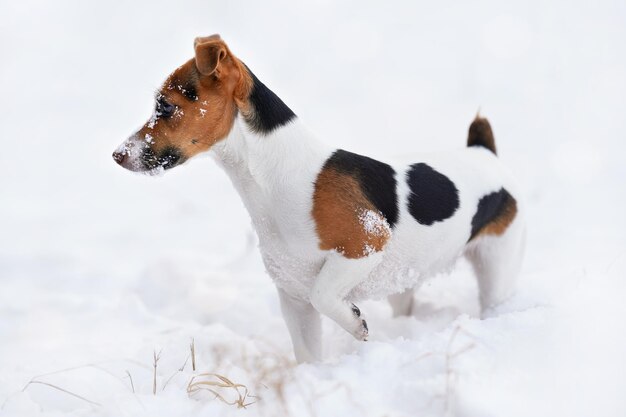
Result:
x=213 y=382
x=80 y=397
x=182 y=368
x=192 y=347
x=132 y=385
x=156 y=358
x=451 y=374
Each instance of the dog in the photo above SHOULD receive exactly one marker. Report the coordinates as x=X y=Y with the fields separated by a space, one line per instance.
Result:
x=334 y=227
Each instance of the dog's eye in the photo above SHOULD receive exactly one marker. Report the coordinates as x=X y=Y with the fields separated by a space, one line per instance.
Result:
x=163 y=108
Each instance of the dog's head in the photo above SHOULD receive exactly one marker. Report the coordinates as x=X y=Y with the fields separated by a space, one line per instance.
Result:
x=195 y=108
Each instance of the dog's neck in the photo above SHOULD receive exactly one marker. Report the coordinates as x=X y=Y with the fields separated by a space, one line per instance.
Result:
x=267 y=147
x=266 y=112
x=266 y=160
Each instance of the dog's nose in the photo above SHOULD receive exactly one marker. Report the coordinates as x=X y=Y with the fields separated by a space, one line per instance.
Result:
x=119 y=157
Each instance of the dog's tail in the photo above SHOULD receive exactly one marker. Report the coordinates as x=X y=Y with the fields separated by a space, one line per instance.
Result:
x=480 y=134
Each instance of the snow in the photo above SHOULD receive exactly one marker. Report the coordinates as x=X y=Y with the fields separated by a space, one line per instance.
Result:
x=374 y=223
x=101 y=269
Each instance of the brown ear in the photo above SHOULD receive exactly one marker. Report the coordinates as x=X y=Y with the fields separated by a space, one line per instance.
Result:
x=210 y=51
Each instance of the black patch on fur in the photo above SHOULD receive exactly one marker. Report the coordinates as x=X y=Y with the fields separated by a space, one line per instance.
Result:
x=433 y=196
x=490 y=207
x=149 y=159
x=163 y=108
x=376 y=179
x=168 y=158
x=190 y=92
x=269 y=112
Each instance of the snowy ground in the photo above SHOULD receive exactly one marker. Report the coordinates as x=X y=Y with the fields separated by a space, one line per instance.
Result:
x=100 y=269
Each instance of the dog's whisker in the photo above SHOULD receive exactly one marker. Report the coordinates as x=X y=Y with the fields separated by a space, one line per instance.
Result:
x=197 y=141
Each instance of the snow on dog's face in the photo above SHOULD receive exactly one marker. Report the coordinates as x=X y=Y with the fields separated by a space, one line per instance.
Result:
x=195 y=108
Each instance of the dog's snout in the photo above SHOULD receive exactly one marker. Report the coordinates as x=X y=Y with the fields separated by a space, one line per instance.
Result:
x=119 y=157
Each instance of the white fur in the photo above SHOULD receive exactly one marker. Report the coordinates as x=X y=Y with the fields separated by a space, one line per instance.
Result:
x=275 y=176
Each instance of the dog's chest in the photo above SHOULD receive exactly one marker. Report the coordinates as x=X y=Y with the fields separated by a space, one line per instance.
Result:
x=292 y=265
x=287 y=239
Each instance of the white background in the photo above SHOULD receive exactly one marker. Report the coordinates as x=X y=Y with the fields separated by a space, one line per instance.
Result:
x=100 y=268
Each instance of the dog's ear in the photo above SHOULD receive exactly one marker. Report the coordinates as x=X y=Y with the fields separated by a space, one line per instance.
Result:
x=210 y=53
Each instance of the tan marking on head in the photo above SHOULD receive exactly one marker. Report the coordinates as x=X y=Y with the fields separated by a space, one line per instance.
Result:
x=222 y=86
x=498 y=225
x=346 y=221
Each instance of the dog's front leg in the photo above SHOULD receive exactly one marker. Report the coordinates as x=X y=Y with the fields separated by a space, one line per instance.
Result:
x=304 y=325
x=336 y=279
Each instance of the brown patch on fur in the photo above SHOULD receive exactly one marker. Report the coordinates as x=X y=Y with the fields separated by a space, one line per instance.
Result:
x=346 y=221
x=498 y=225
x=222 y=86
x=480 y=134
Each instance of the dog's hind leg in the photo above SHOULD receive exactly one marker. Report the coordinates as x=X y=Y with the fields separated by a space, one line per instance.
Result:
x=336 y=279
x=304 y=325
x=496 y=260
x=402 y=303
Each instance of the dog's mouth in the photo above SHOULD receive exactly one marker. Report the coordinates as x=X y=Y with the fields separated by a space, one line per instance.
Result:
x=140 y=157
x=166 y=159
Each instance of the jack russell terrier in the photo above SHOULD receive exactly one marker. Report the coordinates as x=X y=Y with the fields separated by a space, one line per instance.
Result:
x=334 y=226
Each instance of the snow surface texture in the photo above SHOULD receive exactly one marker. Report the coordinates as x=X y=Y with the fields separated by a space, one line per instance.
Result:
x=100 y=269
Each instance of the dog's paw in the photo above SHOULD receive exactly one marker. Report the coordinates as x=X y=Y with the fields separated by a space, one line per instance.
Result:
x=361 y=332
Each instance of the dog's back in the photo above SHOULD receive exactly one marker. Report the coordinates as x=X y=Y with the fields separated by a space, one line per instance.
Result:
x=450 y=204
